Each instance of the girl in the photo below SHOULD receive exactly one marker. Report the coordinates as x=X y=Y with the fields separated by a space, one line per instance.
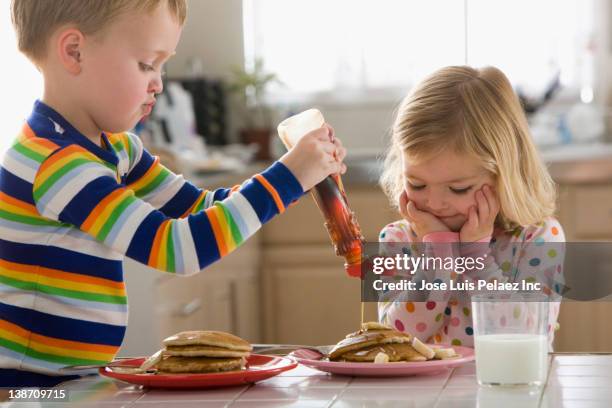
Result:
x=462 y=168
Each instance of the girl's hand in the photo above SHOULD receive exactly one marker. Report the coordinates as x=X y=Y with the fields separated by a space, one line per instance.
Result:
x=481 y=218
x=422 y=222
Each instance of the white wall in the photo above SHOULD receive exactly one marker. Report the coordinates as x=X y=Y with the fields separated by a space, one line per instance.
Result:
x=212 y=33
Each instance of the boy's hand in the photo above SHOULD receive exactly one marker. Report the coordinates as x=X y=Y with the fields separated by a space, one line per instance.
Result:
x=422 y=222
x=316 y=155
x=481 y=218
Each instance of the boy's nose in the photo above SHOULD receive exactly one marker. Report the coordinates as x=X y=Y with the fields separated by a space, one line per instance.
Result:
x=156 y=86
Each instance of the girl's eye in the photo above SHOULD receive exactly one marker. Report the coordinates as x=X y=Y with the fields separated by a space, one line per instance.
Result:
x=461 y=190
x=145 y=67
x=416 y=188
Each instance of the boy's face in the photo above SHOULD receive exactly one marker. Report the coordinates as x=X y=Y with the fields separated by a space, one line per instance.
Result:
x=445 y=186
x=121 y=70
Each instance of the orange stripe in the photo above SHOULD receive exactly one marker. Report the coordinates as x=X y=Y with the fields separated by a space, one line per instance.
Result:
x=194 y=205
x=214 y=222
x=272 y=191
x=18 y=203
x=154 y=255
x=58 y=274
x=50 y=341
x=95 y=213
x=61 y=155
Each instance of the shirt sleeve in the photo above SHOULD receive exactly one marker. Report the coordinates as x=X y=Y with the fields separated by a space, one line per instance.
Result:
x=75 y=187
x=170 y=193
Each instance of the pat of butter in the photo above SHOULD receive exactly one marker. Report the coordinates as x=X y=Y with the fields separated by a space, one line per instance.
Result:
x=381 y=358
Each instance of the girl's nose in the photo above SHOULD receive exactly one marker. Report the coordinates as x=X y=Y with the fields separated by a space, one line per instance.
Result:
x=436 y=202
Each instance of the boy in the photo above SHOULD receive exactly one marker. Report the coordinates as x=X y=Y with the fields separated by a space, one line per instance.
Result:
x=78 y=194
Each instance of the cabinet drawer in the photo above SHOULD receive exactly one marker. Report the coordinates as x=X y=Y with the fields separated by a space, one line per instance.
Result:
x=593 y=211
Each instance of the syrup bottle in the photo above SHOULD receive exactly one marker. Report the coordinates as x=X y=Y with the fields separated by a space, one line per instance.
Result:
x=329 y=196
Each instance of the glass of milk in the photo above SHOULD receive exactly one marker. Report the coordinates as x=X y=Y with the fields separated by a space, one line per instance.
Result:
x=510 y=337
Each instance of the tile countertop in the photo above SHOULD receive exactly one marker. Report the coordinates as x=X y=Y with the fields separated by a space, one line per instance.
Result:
x=575 y=380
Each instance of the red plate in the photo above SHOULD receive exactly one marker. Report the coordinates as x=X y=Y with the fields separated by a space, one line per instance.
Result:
x=258 y=367
x=315 y=360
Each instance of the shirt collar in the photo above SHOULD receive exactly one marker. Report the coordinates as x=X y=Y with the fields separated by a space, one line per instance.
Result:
x=46 y=122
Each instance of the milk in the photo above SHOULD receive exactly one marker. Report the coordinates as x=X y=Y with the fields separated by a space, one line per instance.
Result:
x=511 y=359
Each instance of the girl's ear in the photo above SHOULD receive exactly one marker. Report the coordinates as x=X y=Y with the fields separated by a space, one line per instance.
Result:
x=69 y=46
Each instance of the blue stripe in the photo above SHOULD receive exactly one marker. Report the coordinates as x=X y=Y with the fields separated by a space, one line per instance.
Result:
x=65 y=260
x=145 y=162
x=68 y=178
x=15 y=186
x=83 y=203
x=221 y=194
x=62 y=327
x=260 y=199
x=182 y=201
x=203 y=239
x=142 y=241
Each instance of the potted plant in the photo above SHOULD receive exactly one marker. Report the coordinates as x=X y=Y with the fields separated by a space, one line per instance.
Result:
x=250 y=85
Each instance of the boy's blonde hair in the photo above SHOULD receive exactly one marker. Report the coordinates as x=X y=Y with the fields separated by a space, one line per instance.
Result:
x=36 y=20
x=473 y=112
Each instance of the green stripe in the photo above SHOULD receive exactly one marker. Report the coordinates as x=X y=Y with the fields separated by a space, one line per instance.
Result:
x=232 y=224
x=170 y=266
x=114 y=216
x=200 y=205
x=41 y=190
x=153 y=184
x=29 y=153
x=75 y=294
x=24 y=219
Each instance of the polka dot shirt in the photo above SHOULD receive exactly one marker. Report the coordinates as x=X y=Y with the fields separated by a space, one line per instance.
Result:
x=515 y=255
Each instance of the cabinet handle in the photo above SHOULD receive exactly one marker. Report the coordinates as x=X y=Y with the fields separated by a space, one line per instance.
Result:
x=189 y=308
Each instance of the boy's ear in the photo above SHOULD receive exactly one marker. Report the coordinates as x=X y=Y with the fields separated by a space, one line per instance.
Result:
x=70 y=43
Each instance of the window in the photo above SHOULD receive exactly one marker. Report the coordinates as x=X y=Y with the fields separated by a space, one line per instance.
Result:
x=351 y=46
x=21 y=83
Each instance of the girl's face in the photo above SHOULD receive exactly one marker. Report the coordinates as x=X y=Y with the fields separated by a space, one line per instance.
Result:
x=445 y=186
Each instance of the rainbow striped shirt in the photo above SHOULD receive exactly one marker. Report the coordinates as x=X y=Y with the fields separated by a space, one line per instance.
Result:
x=70 y=211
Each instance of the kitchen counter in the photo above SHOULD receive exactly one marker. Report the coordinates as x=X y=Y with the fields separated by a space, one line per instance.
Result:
x=572 y=163
x=575 y=380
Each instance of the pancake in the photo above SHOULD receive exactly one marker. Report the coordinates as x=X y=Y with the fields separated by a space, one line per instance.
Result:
x=208 y=338
x=366 y=338
x=200 y=351
x=395 y=352
x=203 y=351
x=176 y=364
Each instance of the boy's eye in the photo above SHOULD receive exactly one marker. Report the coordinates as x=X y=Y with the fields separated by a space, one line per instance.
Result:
x=416 y=188
x=145 y=67
x=461 y=190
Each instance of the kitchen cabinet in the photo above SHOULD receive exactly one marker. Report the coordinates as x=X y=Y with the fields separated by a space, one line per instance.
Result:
x=585 y=212
x=307 y=296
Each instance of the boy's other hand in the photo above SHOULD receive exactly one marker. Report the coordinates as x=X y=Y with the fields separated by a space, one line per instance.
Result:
x=316 y=155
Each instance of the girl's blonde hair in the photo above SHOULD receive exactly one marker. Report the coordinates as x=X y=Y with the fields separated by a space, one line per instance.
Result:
x=36 y=20
x=473 y=112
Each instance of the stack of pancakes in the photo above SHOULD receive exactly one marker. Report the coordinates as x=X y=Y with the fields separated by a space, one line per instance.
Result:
x=200 y=352
x=376 y=342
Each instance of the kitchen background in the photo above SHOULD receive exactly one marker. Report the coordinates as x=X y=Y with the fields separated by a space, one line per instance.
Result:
x=244 y=65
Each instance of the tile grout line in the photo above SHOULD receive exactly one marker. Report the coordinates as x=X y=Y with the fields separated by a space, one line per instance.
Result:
x=550 y=367
x=230 y=403
x=333 y=401
x=444 y=386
